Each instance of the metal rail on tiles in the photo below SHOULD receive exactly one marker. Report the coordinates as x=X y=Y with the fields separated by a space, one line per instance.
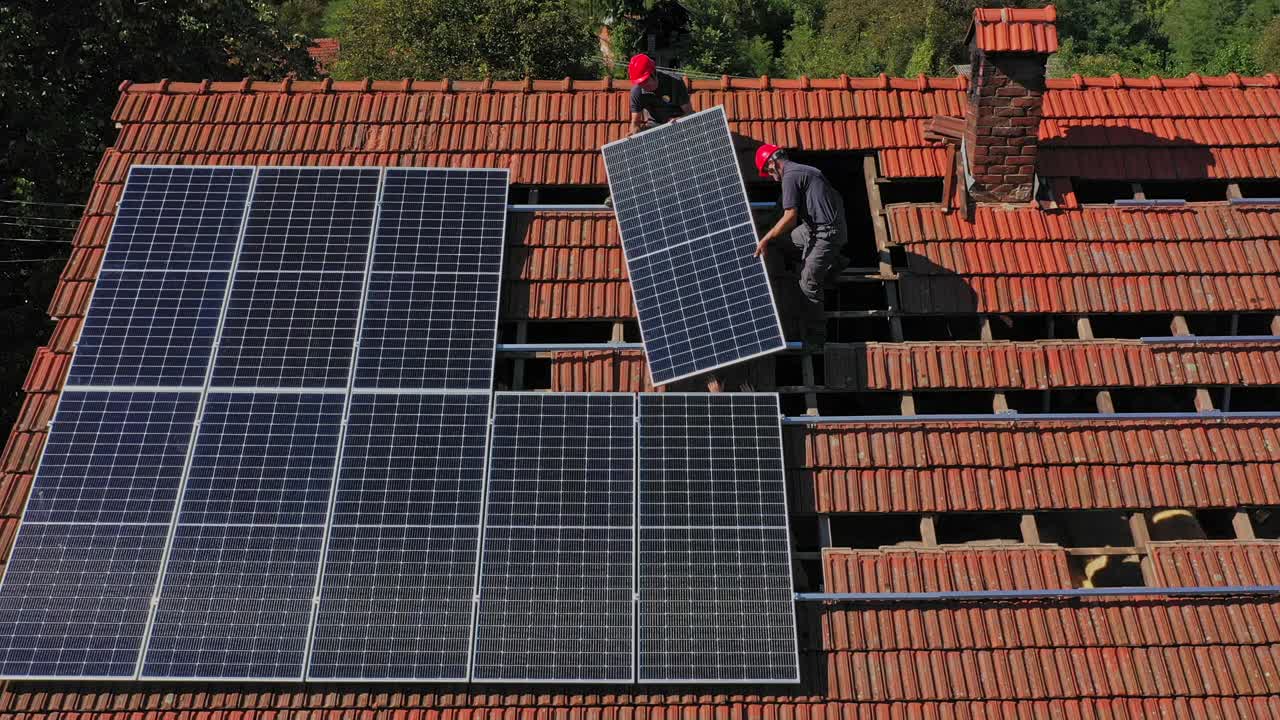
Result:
x=547 y=207
x=1204 y=339
x=578 y=347
x=1026 y=417
x=1044 y=594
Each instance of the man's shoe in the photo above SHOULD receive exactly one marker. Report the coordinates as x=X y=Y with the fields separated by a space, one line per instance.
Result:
x=608 y=202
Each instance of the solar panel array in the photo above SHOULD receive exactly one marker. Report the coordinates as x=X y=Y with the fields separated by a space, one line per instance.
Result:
x=286 y=484
x=702 y=298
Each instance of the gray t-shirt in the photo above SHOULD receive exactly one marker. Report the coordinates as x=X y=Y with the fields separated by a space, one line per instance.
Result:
x=805 y=188
x=665 y=102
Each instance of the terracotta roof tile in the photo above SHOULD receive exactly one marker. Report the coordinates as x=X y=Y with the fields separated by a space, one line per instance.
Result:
x=1045 y=364
x=956 y=467
x=1016 y=30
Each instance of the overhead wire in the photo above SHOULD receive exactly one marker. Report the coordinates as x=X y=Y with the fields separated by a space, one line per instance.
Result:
x=37 y=225
x=38 y=202
x=33 y=240
x=39 y=218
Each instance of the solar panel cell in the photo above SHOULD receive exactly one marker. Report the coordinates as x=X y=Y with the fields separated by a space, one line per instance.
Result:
x=310 y=220
x=429 y=331
x=715 y=593
x=556 y=581
x=76 y=597
x=399 y=579
x=442 y=221
x=237 y=592
x=292 y=330
x=693 y=299
x=396 y=604
x=178 y=219
x=149 y=328
x=703 y=300
x=236 y=603
x=79 y=581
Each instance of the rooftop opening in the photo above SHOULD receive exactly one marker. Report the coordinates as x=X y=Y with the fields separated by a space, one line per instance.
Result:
x=941 y=327
x=1072 y=401
x=1210 y=323
x=537 y=374
x=1027 y=401
x=1217 y=523
x=859 y=403
x=874 y=530
x=861 y=295
x=1154 y=399
x=859 y=329
x=953 y=402
x=571 y=194
x=1254 y=323
x=804 y=533
x=844 y=170
x=1260 y=188
x=957 y=528
x=1085 y=528
x=1252 y=398
x=1019 y=327
x=1106 y=570
x=503 y=373
x=1191 y=191
x=789 y=370
x=915 y=190
x=807 y=575
x=1131 y=325
x=570 y=331
x=1266 y=522
x=1093 y=192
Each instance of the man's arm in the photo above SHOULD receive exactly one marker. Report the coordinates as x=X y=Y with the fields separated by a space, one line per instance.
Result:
x=686 y=107
x=790 y=217
x=637 y=122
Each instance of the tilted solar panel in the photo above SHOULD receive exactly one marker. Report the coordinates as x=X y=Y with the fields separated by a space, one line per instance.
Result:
x=396 y=600
x=715 y=591
x=79 y=582
x=702 y=299
x=557 y=576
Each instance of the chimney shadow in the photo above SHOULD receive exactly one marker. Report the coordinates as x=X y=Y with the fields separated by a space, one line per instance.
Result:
x=1124 y=154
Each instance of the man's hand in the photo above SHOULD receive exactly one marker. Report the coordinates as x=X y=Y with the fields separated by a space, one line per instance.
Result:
x=760 y=246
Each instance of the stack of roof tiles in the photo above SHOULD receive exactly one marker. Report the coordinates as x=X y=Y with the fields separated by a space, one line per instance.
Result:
x=1206 y=657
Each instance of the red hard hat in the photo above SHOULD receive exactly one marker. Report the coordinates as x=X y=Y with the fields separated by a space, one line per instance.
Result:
x=764 y=153
x=640 y=68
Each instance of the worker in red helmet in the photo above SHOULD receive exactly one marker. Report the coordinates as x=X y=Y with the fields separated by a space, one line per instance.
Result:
x=656 y=97
x=813 y=219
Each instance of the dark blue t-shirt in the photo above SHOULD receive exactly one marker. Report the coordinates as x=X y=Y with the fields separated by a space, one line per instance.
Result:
x=805 y=188
x=663 y=103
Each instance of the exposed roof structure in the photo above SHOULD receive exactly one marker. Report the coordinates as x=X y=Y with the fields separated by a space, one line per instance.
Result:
x=1032 y=307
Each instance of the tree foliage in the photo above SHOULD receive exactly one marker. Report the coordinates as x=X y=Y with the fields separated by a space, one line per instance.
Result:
x=502 y=39
x=60 y=70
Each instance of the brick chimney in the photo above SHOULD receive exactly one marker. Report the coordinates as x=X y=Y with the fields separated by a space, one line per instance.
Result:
x=1007 y=52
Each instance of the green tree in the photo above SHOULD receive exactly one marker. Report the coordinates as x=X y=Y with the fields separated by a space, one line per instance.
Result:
x=60 y=70
x=503 y=39
x=1216 y=36
x=1266 y=53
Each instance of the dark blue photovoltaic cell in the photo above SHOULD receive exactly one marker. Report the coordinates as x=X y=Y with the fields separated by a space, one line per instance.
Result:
x=429 y=331
x=263 y=459
x=289 y=330
x=676 y=184
x=442 y=221
x=178 y=219
x=79 y=581
x=236 y=603
x=702 y=299
x=414 y=459
x=704 y=304
x=399 y=577
x=113 y=457
x=310 y=219
x=76 y=598
x=716 y=599
x=556 y=580
x=561 y=459
x=149 y=328
x=237 y=593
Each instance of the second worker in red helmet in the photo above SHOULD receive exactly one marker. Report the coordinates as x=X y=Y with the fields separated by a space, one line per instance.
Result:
x=814 y=222
x=656 y=97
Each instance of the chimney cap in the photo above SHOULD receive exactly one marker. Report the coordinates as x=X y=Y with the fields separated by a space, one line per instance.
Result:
x=1015 y=30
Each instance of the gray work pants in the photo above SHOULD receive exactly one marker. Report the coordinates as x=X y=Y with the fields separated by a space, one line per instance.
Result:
x=819 y=249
